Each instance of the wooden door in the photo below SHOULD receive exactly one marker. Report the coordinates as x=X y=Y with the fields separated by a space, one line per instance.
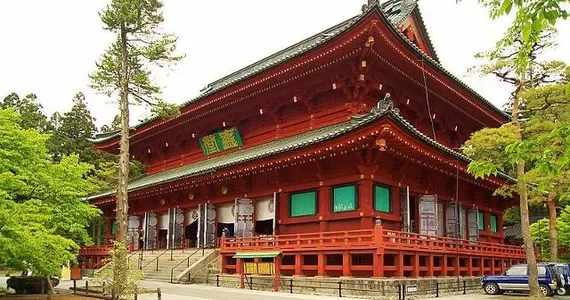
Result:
x=428 y=215
x=244 y=221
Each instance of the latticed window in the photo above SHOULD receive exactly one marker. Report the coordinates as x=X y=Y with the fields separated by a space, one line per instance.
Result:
x=303 y=204
x=344 y=198
x=493 y=222
x=382 y=199
x=481 y=220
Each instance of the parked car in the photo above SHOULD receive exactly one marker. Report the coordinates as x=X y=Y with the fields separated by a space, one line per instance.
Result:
x=563 y=270
x=516 y=279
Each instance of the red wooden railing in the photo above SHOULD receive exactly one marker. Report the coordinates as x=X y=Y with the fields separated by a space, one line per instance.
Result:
x=397 y=240
x=102 y=250
x=358 y=239
x=377 y=238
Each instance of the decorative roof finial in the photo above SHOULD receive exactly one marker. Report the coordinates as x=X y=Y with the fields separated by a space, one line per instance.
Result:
x=385 y=105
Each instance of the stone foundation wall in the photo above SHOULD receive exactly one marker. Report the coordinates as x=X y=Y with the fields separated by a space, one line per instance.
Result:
x=352 y=287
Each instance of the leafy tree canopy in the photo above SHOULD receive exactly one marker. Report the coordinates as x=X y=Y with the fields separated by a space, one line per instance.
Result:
x=43 y=217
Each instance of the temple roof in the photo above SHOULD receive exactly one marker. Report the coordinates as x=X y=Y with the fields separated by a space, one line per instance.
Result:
x=384 y=109
x=395 y=12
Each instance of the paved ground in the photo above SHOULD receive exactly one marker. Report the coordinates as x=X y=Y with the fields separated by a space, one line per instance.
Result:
x=198 y=292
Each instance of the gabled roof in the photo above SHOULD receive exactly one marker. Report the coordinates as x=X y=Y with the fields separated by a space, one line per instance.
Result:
x=394 y=11
x=384 y=109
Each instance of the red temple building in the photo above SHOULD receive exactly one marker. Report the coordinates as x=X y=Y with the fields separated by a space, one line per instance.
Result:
x=339 y=151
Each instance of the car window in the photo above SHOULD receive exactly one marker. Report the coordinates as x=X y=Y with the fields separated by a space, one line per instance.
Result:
x=516 y=271
x=560 y=269
x=541 y=270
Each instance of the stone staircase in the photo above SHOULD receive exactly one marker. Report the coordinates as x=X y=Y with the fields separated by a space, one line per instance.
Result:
x=179 y=259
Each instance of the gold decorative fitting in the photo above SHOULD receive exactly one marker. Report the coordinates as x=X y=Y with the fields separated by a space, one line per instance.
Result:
x=381 y=143
x=361 y=77
x=334 y=86
x=361 y=214
x=363 y=64
x=320 y=218
x=361 y=176
x=191 y=196
x=320 y=183
x=279 y=221
x=372 y=176
x=245 y=195
x=224 y=190
x=162 y=201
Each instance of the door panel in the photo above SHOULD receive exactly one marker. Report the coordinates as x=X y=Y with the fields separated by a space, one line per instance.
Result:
x=150 y=231
x=428 y=215
x=244 y=218
x=473 y=224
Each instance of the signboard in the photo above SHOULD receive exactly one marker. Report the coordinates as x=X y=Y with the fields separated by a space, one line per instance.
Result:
x=262 y=268
x=220 y=141
x=412 y=288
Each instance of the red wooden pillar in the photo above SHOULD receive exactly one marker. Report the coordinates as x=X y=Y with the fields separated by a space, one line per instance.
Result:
x=377 y=265
x=224 y=264
x=444 y=265
x=456 y=267
x=365 y=198
x=324 y=207
x=346 y=264
x=283 y=211
x=108 y=229
x=276 y=274
x=239 y=270
x=416 y=269
x=482 y=266
x=493 y=265
x=400 y=264
x=298 y=265
x=321 y=264
x=470 y=265
x=430 y=265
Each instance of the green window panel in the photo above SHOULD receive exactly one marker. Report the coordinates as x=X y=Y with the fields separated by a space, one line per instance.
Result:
x=114 y=227
x=344 y=198
x=481 y=220
x=493 y=222
x=303 y=204
x=382 y=199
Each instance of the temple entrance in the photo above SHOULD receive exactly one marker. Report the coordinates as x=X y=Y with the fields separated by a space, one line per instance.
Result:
x=265 y=216
x=221 y=226
x=413 y=214
x=190 y=233
x=162 y=236
x=264 y=227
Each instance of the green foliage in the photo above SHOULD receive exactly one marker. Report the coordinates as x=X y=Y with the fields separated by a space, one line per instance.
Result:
x=142 y=45
x=72 y=131
x=531 y=19
x=30 y=110
x=117 y=262
x=114 y=127
x=43 y=216
x=540 y=234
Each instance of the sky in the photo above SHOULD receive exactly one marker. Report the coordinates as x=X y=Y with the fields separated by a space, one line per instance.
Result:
x=50 y=47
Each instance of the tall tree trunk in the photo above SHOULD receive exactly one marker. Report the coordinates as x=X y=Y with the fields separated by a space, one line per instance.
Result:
x=121 y=263
x=122 y=196
x=534 y=288
x=552 y=226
